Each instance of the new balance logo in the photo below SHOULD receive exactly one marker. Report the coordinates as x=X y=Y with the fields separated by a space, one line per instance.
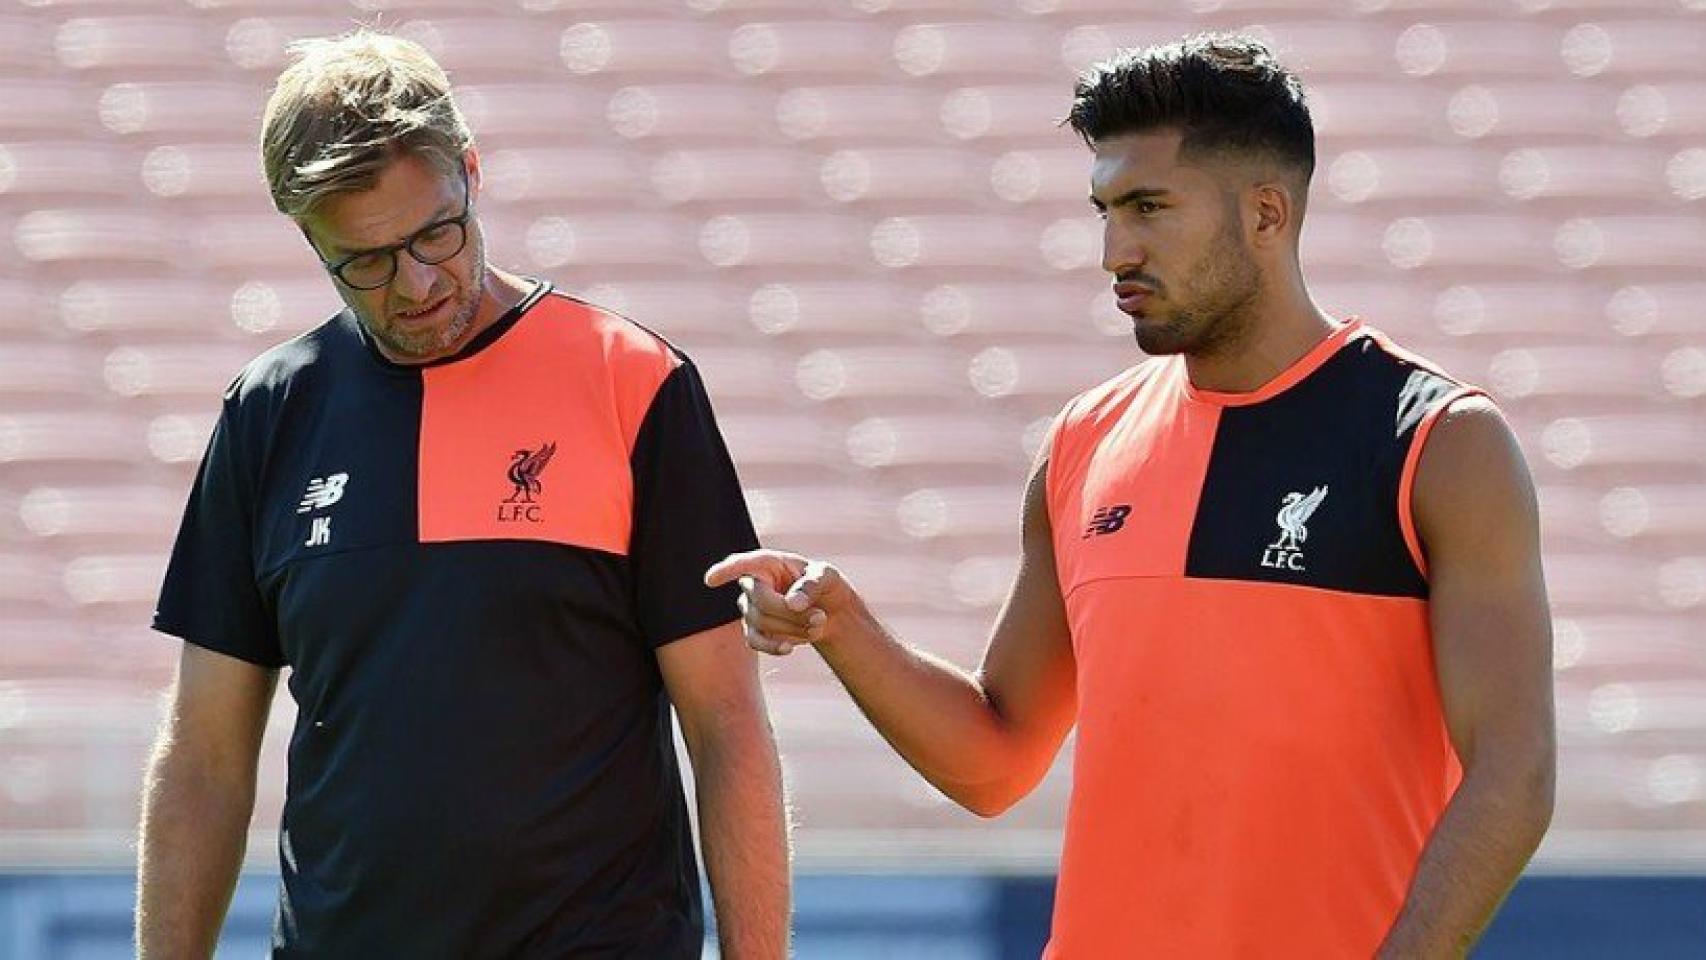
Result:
x=1107 y=520
x=322 y=492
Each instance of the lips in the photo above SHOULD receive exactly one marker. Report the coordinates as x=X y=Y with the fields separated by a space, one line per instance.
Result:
x=1131 y=296
x=423 y=312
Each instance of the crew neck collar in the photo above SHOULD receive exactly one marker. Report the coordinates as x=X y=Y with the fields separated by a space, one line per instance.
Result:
x=479 y=342
x=1282 y=381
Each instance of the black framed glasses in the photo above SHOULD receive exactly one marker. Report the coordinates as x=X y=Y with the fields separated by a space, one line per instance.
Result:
x=434 y=243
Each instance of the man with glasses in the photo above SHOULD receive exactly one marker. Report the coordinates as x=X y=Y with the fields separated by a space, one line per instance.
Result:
x=470 y=514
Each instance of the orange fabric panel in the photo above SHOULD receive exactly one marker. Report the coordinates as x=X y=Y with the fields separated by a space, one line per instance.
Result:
x=1129 y=446
x=567 y=376
x=1257 y=769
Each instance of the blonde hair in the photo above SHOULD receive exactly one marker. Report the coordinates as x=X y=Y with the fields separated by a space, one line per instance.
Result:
x=349 y=105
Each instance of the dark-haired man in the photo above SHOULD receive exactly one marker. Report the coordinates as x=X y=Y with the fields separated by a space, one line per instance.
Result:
x=1284 y=578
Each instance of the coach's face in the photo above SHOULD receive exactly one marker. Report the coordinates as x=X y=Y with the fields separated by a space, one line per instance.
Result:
x=1173 y=242
x=419 y=302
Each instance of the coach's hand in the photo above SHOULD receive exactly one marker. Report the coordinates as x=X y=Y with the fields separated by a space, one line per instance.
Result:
x=785 y=599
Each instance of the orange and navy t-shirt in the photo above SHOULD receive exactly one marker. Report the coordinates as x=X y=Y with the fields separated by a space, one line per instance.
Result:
x=468 y=566
x=1261 y=751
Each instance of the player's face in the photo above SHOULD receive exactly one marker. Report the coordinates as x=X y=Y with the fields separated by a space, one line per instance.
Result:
x=1174 y=243
x=427 y=310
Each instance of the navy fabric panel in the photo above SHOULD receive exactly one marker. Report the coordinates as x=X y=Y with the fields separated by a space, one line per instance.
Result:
x=1334 y=444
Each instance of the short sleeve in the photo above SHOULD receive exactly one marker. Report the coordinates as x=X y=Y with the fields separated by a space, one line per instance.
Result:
x=688 y=513
x=210 y=597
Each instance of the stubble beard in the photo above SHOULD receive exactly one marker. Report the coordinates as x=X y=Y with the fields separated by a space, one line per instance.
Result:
x=1215 y=315
x=430 y=344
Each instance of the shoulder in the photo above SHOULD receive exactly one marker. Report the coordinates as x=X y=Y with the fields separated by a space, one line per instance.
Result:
x=1105 y=399
x=623 y=346
x=285 y=366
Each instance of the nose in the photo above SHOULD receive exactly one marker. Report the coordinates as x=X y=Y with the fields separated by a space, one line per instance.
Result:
x=414 y=278
x=1122 y=249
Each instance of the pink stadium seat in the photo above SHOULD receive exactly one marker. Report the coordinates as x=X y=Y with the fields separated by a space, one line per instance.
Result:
x=1630 y=440
x=1353 y=112
x=96 y=236
x=738 y=175
x=1418 y=6
x=645 y=47
x=1008 y=111
x=607 y=238
x=1526 y=108
x=1328 y=48
x=935 y=440
x=31 y=368
x=881 y=174
x=473 y=47
x=35 y=172
x=1663 y=109
x=532 y=113
x=818 y=513
x=916 y=373
x=26 y=46
x=1631 y=241
x=897 y=578
x=230 y=111
x=248 y=241
x=184 y=370
x=1601 y=582
x=22 y=305
x=752 y=376
x=206 y=171
x=1569 y=518
x=1656 y=512
x=758 y=440
x=70 y=437
x=698 y=111
x=1467 y=240
x=1657 y=309
x=1003 y=309
x=1047 y=372
x=29 y=579
x=527 y=174
x=994 y=48
x=146 y=513
x=1461 y=48
x=1577 y=373
x=677 y=309
x=827 y=48
x=867 y=114
x=782 y=239
x=1520 y=311
x=1628 y=646
x=180 y=438
x=1332 y=239
x=1429 y=174
x=1634 y=47
x=827 y=308
x=260 y=44
x=283 y=6
x=42 y=105
x=934 y=513
x=955 y=240
x=1058 y=176
x=277 y=308
x=120 y=578
x=135 y=43
x=1583 y=173
x=1394 y=307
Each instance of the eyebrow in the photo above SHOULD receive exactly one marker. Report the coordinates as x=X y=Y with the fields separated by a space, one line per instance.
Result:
x=340 y=252
x=1129 y=197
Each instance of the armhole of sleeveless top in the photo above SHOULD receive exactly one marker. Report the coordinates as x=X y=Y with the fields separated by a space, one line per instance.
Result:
x=1407 y=479
x=1051 y=449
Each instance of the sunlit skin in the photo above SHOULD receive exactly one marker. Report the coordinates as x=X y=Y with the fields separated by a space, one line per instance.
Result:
x=1203 y=254
x=461 y=296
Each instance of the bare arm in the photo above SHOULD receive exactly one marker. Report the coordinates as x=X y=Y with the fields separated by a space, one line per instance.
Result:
x=713 y=682
x=196 y=802
x=1475 y=512
x=983 y=739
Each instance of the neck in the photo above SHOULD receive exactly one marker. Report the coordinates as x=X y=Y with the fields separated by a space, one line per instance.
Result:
x=1283 y=324
x=500 y=292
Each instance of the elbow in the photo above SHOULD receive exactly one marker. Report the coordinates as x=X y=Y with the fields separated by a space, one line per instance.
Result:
x=992 y=799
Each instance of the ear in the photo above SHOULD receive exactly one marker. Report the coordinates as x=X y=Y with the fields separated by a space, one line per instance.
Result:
x=1271 y=210
x=472 y=159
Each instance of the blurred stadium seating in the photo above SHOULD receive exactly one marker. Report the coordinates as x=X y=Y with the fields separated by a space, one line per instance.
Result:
x=861 y=219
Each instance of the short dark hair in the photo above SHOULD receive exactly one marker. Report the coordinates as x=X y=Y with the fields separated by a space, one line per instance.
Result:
x=1222 y=93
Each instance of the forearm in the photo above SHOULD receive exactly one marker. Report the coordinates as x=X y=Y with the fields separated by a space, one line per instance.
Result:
x=934 y=714
x=744 y=830
x=1484 y=839
x=194 y=828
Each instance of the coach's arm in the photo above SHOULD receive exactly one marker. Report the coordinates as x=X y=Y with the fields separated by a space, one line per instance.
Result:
x=1476 y=517
x=196 y=802
x=712 y=680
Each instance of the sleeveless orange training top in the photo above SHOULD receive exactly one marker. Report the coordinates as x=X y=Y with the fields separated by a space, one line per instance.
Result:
x=1261 y=752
